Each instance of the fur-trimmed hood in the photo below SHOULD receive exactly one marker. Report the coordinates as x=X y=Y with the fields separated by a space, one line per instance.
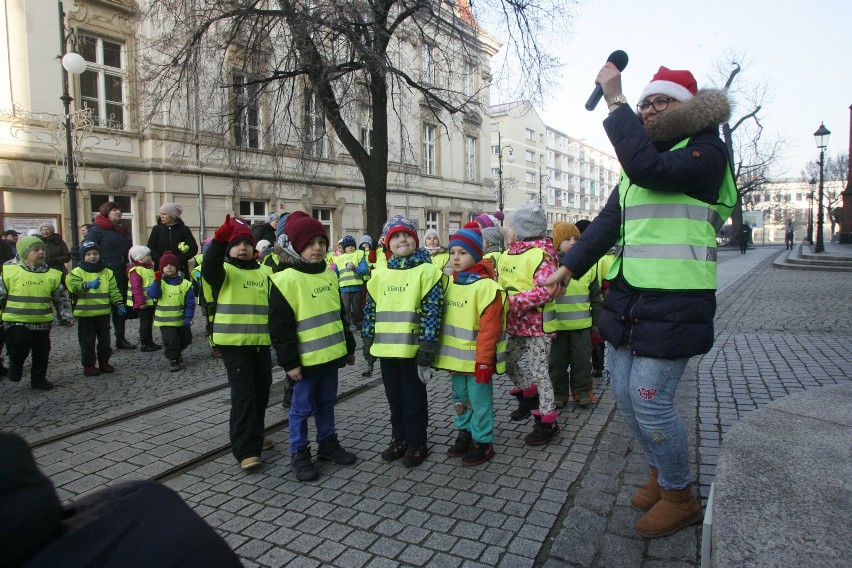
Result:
x=708 y=109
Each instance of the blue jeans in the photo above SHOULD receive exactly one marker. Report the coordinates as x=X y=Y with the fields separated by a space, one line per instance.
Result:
x=315 y=394
x=644 y=389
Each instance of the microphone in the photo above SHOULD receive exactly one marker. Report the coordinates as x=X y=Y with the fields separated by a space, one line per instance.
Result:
x=617 y=58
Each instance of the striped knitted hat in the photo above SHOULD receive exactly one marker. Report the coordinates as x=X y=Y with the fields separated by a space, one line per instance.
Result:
x=470 y=239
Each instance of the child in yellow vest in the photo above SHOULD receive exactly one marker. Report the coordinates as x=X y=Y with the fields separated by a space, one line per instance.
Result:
x=473 y=344
x=439 y=255
x=140 y=275
x=571 y=316
x=402 y=322
x=351 y=267
x=28 y=287
x=311 y=341
x=95 y=291
x=175 y=308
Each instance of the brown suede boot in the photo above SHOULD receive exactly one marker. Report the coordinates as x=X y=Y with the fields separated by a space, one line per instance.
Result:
x=674 y=511
x=648 y=494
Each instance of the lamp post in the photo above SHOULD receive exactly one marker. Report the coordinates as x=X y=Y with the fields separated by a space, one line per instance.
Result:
x=811 y=194
x=72 y=62
x=821 y=137
x=511 y=159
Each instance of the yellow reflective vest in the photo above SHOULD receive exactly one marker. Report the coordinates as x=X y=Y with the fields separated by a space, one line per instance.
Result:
x=147 y=275
x=398 y=295
x=172 y=304
x=516 y=271
x=348 y=276
x=242 y=307
x=571 y=310
x=315 y=299
x=28 y=294
x=95 y=302
x=668 y=238
x=463 y=307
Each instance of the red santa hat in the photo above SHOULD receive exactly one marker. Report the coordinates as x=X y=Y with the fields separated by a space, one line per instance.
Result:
x=677 y=84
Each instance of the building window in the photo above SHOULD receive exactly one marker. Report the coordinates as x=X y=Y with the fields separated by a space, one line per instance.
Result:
x=528 y=134
x=253 y=211
x=495 y=172
x=529 y=156
x=314 y=127
x=427 y=64
x=431 y=220
x=530 y=177
x=469 y=79
x=367 y=139
x=246 y=112
x=428 y=149
x=469 y=158
x=102 y=83
x=324 y=217
x=495 y=150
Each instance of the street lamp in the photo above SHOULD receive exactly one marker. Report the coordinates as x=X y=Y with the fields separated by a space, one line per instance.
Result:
x=511 y=160
x=812 y=183
x=72 y=62
x=821 y=137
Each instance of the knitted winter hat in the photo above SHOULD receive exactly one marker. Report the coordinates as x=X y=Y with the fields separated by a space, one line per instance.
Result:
x=240 y=231
x=272 y=217
x=262 y=244
x=138 y=252
x=485 y=220
x=582 y=224
x=492 y=236
x=173 y=210
x=348 y=241
x=470 y=239
x=86 y=246
x=679 y=85
x=432 y=232
x=365 y=238
x=562 y=231
x=301 y=228
x=529 y=221
x=26 y=244
x=169 y=259
x=400 y=223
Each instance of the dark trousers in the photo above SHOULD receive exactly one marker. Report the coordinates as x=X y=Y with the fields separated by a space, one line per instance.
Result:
x=118 y=320
x=406 y=393
x=571 y=348
x=146 y=326
x=91 y=331
x=20 y=341
x=743 y=245
x=352 y=312
x=315 y=394
x=788 y=240
x=250 y=376
x=175 y=340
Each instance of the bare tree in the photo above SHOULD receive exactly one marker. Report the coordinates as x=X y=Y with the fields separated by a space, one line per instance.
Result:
x=834 y=176
x=753 y=152
x=358 y=66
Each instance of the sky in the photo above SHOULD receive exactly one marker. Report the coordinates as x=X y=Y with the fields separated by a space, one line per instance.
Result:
x=802 y=49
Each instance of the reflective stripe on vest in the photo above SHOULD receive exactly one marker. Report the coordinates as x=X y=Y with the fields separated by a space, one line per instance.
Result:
x=28 y=294
x=147 y=275
x=315 y=299
x=171 y=305
x=668 y=238
x=398 y=294
x=348 y=276
x=571 y=310
x=92 y=302
x=242 y=308
x=463 y=307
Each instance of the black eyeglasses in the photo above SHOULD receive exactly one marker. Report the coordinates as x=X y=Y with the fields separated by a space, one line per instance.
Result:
x=660 y=104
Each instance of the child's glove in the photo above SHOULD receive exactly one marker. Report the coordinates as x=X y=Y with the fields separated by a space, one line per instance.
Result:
x=92 y=284
x=483 y=373
x=424 y=373
x=158 y=275
x=426 y=353
x=365 y=348
x=223 y=233
x=122 y=311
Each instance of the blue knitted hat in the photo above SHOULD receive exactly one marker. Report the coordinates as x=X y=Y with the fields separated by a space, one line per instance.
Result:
x=400 y=223
x=348 y=241
x=469 y=239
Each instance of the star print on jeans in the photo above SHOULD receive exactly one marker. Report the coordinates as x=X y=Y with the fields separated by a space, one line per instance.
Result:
x=647 y=394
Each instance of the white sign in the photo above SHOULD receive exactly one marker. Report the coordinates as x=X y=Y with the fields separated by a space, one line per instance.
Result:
x=753 y=218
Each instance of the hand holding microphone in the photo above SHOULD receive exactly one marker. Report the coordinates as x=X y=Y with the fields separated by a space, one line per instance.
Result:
x=608 y=79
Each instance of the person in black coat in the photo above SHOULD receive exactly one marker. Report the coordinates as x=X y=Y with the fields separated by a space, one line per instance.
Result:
x=171 y=234
x=267 y=230
x=676 y=190
x=744 y=236
x=110 y=234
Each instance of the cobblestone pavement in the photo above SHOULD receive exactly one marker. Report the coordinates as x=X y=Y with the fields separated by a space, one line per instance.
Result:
x=566 y=504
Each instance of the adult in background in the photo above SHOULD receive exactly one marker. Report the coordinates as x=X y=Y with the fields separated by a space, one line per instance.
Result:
x=788 y=235
x=675 y=192
x=171 y=234
x=109 y=232
x=744 y=236
x=267 y=230
x=10 y=239
x=56 y=249
x=84 y=230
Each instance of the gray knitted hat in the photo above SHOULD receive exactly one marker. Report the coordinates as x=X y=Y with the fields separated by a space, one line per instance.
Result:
x=529 y=221
x=493 y=236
